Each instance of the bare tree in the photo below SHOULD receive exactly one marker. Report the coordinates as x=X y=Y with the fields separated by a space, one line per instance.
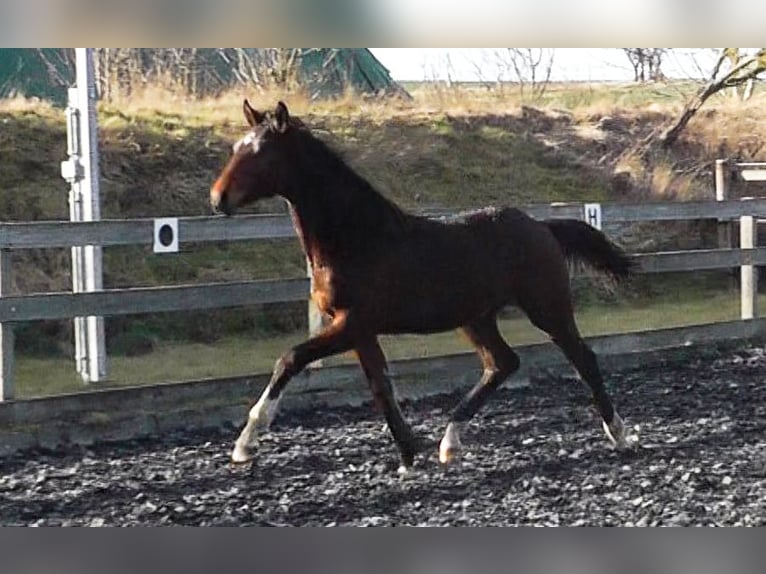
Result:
x=530 y=68
x=647 y=63
x=732 y=70
x=204 y=71
x=246 y=66
x=744 y=90
x=281 y=65
x=119 y=71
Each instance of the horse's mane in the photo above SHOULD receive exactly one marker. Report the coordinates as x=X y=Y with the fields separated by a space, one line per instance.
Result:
x=351 y=208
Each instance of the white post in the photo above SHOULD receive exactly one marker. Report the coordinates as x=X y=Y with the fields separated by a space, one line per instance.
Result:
x=721 y=194
x=6 y=332
x=748 y=238
x=315 y=317
x=71 y=170
x=316 y=321
x=91 y=209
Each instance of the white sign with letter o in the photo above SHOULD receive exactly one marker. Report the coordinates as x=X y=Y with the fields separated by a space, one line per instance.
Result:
x=166 y=235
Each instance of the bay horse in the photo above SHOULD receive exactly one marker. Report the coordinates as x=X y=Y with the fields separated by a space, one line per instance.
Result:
x=377 y=269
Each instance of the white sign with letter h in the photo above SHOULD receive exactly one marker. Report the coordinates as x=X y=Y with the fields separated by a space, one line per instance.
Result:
x=592 y=214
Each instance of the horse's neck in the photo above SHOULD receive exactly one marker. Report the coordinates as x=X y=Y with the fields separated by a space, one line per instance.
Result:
x=307 y=241
x=310 y=219
x=332 y=224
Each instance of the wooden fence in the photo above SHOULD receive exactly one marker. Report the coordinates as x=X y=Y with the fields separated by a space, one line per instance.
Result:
x=49 y=234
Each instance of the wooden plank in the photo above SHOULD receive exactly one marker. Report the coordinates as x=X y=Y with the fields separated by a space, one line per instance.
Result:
x=555 y=211
x=432 y=374
x=141 y=231
x=203 y=229
x=753 y=174
x=687 y=210
x=6 y=332
x=151 y=300
x=221 y=295
x=647 y=211
x=698 y=259
x=235 y=228
x=748 y=239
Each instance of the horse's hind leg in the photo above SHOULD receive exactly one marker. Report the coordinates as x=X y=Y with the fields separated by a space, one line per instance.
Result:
x=334 y=339
x=375 y=368
x=557 y=319
x=499 y=363
x=584 y=360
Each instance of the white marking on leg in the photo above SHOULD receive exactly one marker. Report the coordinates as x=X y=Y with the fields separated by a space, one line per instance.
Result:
x=405 y=472
x=259 y=419
x=615 y=431
x=264 y=411
x=450 y=444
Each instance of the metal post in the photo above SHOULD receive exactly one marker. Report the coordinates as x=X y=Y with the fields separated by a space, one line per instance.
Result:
x=91 y=205
x=71 y=170
x=748 y=238
x=6 y=332
x=82 y=171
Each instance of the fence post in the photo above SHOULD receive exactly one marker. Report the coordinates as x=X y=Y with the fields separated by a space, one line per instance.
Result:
x=722 y=194
x=748 y=239
x=91 y=208
x=6 y=332
x=314 y=315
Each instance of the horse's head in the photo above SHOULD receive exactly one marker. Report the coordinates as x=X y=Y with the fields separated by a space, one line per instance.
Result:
x=258 y=164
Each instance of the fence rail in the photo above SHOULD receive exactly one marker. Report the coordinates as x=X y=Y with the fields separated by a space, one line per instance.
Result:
x=45 y=234
x=108 y=232
x=111 y=302
x=60 y=234
x=151 y=299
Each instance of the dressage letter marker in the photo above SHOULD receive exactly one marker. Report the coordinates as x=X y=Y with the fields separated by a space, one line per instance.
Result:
x=592 y=214
x=166 y=235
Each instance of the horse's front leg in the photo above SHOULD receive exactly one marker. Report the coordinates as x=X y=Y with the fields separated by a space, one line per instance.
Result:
x=375 y=368
x=333 y=340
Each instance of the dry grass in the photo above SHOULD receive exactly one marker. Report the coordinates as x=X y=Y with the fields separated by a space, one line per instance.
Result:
x=731 y=127
x=582 y=101
x=20 y=105
x=668 y=184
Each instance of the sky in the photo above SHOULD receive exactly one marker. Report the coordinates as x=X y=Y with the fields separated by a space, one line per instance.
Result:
x=569 y=64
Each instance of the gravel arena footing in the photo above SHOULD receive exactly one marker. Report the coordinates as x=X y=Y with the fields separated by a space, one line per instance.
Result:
x=534 y=456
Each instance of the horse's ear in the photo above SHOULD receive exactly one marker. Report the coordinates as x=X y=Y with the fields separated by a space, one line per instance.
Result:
x=281 y=117
x=253 y=116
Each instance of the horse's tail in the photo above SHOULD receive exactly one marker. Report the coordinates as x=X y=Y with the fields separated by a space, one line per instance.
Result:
x=582 y=242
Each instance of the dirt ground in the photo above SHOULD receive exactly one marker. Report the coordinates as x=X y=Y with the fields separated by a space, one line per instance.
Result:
x=535 y=456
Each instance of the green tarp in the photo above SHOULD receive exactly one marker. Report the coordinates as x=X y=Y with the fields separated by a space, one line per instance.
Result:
x=46 y=73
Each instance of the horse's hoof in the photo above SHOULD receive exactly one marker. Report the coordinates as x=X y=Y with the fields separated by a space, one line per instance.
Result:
x=617 y=441
x=448 y=455
x=615 y=432
x=242 y=454
x=407 y=472
x=450 y=445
